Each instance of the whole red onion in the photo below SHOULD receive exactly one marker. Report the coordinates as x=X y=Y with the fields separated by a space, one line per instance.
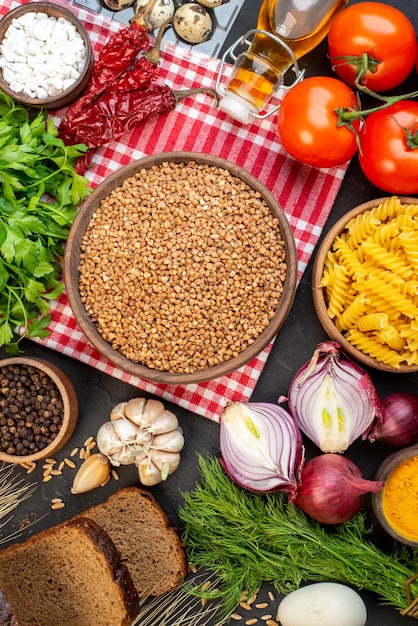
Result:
x=399 y=423
x=332 y=489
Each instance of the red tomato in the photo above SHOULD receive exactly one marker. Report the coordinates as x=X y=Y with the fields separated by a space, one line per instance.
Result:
x=307 y=122
x=380 y=31
x=385 y=157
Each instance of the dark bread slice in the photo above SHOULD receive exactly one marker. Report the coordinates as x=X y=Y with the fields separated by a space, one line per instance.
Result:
x=68 y=575
x=147 y=540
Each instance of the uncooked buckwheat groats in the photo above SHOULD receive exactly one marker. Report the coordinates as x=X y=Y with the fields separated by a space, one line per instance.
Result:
x=182 y=267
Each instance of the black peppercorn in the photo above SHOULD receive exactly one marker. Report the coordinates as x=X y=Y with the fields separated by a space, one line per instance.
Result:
x=32 y=410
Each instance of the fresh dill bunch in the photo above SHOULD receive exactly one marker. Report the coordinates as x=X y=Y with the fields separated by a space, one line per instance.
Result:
x=248 y=538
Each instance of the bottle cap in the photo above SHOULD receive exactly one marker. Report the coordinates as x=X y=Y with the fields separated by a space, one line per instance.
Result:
x=237 y=107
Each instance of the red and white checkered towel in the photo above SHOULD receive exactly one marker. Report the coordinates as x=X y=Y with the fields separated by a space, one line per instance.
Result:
x=306 y=195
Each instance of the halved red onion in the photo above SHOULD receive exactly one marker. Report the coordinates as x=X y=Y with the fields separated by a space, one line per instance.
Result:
x=332 y=399
x=261 y=446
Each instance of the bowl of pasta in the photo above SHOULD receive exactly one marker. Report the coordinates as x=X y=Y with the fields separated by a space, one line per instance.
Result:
x=365 y=283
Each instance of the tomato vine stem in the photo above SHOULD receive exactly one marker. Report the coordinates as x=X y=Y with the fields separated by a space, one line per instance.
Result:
x=362 y=64
x=347 y=115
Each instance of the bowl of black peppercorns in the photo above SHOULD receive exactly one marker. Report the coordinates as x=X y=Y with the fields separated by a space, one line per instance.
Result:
x=38 y=409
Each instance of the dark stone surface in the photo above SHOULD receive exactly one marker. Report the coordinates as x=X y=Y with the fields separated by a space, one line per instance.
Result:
x=98 y=392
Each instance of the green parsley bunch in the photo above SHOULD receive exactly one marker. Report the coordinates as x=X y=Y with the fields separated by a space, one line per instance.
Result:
x=40 y=191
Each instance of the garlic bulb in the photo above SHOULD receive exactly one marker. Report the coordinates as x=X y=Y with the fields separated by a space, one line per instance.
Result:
x=142 y=432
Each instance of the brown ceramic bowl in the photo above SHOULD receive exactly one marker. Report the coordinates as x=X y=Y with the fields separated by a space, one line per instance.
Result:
x=319 y=296
x=67 y=394
x=71 y=273
x=384 y=473
x=75 y=90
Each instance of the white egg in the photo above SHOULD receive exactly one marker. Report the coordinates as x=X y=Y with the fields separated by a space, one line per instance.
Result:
x=322 y=604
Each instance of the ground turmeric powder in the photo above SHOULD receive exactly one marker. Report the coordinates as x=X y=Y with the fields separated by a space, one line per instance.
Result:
x=400 y=499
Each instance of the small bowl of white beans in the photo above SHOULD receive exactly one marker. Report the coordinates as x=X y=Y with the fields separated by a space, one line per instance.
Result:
x=180 y=268
x=46 y=56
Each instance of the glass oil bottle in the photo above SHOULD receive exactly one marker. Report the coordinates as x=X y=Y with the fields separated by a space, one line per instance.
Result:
x=286 y=30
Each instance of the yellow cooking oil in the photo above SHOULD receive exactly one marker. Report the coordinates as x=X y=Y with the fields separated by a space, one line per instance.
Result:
x=300 y=24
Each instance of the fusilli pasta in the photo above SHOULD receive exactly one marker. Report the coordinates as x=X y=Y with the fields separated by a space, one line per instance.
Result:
x=370 y=281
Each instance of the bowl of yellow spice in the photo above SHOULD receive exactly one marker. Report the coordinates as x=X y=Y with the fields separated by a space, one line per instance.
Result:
x=396 y=505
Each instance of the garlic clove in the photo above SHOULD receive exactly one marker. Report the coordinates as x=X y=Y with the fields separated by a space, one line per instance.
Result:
x=125 y=456
x=143 y=439
x=149 y=474
x=126 y=430
x=169 y=442
x=161 y=459
x=92 y=473
x=165 y=423
x=152 y=411
x=107 y=440
x=118 y=411
x=134 y=410
x=165 y=471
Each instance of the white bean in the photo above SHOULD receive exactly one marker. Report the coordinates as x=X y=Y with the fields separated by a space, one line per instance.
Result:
x=41 y=56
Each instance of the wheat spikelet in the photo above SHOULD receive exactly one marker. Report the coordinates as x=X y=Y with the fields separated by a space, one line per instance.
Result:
x=13 y=491
x=179 y=607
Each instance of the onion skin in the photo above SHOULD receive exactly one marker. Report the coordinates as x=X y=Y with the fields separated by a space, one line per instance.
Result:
x=332 y=489
x=261 y=447
x=332 y=399
x=399 y=424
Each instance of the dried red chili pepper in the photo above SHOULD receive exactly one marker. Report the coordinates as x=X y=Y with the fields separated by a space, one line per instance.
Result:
x=116 y=57
x=118 y=53
x=121 y=93
x=140 y=77
x=116 y=113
